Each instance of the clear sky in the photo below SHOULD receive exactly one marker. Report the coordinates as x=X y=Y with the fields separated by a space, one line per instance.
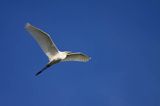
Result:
x=121 y=36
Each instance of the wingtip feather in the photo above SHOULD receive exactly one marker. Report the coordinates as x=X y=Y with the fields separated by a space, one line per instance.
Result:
x=27 y=25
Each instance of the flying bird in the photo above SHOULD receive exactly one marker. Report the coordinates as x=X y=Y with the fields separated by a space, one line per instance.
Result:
x=49 y=48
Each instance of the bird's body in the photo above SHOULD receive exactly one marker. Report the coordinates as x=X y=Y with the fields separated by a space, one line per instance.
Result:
x=60 y=55
x=54 y=55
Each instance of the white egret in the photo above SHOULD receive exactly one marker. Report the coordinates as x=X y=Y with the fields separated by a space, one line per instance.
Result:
x=49 y=48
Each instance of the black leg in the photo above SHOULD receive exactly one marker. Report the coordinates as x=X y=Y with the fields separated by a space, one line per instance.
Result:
x=39 y=72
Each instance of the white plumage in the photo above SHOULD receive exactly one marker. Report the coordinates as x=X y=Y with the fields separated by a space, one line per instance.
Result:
x=49 y=48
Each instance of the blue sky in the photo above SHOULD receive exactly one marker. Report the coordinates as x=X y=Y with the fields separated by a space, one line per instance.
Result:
x=121 y=36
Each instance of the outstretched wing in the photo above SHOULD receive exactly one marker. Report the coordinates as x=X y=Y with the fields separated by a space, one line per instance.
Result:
x=43 y=39
x=77 y=57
